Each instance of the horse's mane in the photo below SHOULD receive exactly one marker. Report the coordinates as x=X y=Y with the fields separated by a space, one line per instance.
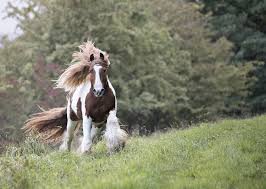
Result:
x=86 y=50
x=76 y=73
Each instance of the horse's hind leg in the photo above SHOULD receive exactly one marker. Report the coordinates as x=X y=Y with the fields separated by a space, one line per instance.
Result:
x=115 y=137
x=69 y=134
x=68 y=137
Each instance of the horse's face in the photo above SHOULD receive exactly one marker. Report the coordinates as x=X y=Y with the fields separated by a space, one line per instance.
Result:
x=98 y=78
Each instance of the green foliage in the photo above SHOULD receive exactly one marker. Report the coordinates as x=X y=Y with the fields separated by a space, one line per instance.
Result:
x=16 y=89
x=30 y=145
x=227 y=154
x=165 y=68
x=215 y=87
x=243 y=23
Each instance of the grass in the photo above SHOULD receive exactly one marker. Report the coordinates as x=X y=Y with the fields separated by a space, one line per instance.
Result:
x=226 y=154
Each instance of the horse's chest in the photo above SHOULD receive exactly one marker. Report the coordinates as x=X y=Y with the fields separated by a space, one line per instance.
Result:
x=98 y=108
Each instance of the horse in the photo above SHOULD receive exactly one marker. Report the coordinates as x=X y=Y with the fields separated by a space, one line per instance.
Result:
x=91 y=100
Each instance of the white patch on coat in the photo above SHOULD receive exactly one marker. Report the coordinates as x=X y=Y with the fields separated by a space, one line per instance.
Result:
x=98 y=83
x=81 y=92
x=115 y=137
x=94 y=131
x=113 y=90
x=69 y=133
x=86 y=143
x=86 y=121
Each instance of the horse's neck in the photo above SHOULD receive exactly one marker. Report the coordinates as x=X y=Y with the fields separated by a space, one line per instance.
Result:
x=113 y=90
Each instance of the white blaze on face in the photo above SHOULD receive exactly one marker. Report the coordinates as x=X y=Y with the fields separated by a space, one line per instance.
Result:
x=98 y=83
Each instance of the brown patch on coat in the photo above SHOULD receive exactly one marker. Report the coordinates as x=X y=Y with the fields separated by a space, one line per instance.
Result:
x=73 y=115
x=98 y=108
x=103 y=76
x=79 y=111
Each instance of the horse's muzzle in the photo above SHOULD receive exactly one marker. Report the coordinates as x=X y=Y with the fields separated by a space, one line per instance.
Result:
x=98 y=92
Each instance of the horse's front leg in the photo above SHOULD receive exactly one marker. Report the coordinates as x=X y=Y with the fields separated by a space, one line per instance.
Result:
x=94 y=131
x=115 y=137
x=87 y=138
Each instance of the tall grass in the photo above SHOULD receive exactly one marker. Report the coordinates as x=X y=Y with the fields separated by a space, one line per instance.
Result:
x=227 y=154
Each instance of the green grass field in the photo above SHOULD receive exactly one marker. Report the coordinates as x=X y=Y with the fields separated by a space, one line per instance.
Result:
x=226 y=154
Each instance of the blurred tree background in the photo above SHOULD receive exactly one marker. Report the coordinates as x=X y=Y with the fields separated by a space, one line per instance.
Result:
x=243 y=22
x=172 y=62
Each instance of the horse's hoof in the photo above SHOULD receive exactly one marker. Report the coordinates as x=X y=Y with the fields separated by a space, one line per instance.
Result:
x=63 y=148
x=84 y=151
x=116 y=149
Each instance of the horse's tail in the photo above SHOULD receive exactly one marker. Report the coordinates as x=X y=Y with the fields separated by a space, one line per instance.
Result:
x=50 y=124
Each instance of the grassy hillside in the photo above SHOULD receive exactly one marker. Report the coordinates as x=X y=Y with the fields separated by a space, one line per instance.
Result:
x=227 y=154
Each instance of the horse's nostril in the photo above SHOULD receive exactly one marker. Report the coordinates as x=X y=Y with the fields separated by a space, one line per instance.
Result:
x=102 y=91
x=99 y=92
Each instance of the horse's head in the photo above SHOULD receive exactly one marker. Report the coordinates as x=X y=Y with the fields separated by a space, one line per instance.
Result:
x=88 y=61
x=98 y=75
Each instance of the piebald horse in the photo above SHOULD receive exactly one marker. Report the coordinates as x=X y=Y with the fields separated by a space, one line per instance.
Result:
x=91 y=99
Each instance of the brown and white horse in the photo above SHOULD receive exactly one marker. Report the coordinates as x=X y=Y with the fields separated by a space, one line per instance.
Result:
x=91 y=100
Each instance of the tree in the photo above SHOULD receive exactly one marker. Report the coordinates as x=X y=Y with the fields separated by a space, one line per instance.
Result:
x=243 y=23
x=216 y=86
x=164 y=66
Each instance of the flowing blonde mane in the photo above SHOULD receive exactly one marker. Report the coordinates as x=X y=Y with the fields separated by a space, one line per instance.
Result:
x=76 y=73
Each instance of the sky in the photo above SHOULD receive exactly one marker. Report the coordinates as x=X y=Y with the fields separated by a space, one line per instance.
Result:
x=8 y=25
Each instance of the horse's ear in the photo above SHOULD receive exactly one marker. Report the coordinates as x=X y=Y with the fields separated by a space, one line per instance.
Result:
x=91 y=57
x=101 y=56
